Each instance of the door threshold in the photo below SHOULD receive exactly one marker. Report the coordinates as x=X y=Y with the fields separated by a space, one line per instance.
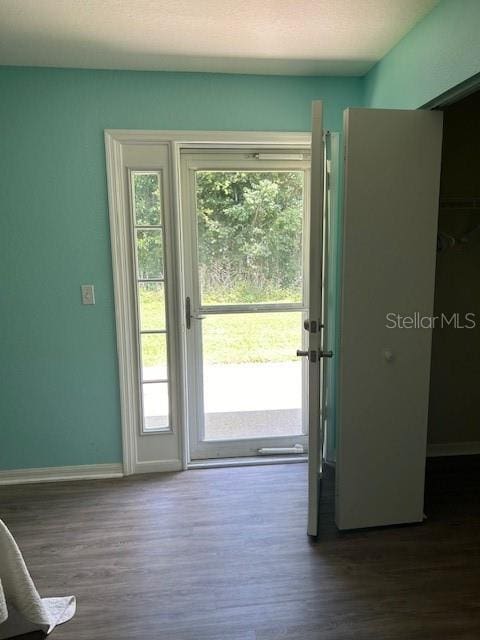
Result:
x=245 y=462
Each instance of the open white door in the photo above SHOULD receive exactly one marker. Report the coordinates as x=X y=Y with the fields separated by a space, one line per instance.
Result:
x=392 y=174
x=314 y=323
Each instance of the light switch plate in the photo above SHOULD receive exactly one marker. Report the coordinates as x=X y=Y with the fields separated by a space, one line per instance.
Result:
x=88 y=294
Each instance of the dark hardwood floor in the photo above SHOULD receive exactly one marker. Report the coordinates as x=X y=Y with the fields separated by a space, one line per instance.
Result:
x=222 y=554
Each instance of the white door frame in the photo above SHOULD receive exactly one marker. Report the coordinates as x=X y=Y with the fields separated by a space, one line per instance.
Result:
x=175 y=454
x=192 y=161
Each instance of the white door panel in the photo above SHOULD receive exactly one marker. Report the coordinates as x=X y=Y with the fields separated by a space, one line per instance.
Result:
x=315 y=315
x=392 y=171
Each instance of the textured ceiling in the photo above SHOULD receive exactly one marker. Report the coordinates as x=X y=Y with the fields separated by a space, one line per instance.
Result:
x=307 y=37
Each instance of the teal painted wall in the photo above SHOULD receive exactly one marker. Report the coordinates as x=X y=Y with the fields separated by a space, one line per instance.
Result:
x=440 y=52
x=58 y=367
x=58 y=371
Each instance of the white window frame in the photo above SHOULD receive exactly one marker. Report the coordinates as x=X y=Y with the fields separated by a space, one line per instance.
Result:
x=164 y=227
x=174 y=453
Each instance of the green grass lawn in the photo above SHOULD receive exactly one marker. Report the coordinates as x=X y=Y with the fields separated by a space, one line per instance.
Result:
x=228 y=338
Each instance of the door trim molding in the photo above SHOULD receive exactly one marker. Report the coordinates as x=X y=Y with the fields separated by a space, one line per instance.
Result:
x=115 y=141
x=211 y=139
x=454 y=94
x=117 y=204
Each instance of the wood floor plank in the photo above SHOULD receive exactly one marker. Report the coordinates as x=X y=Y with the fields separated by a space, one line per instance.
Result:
x=222 y=554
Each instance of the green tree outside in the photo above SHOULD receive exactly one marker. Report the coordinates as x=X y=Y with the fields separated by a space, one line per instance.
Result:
x=249 y=249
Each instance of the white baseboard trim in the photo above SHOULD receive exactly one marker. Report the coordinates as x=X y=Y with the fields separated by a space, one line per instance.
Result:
x=453 y=449
x=157 y=466
x=60 y=474
x=99 y=471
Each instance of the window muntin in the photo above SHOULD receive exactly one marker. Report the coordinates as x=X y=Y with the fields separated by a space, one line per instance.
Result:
x=150 y=275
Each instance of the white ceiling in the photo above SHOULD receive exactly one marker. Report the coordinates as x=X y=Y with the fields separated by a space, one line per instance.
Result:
x=305 y=37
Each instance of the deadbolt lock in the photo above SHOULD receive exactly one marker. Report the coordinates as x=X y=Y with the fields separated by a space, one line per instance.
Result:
x=312 y=326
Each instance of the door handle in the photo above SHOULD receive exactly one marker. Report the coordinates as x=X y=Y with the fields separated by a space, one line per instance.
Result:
x=312 y=355
x=325 y=354
x=188 y=314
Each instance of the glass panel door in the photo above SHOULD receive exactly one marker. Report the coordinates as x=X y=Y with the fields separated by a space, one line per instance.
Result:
x=247 y=288
x=252 y=381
